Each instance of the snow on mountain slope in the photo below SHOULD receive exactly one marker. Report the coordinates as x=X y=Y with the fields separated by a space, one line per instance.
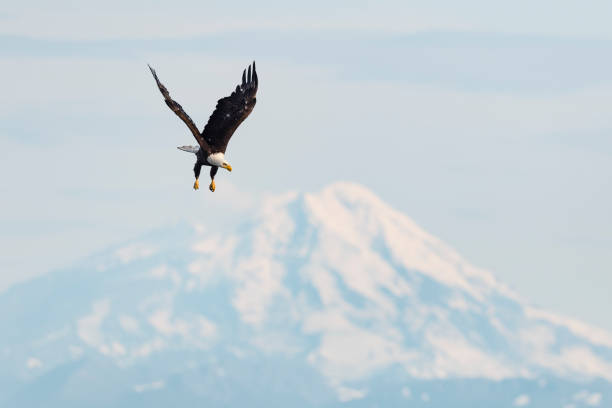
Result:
x=338 y=283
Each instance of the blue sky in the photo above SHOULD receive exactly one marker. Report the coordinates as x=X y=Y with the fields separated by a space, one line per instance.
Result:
x=486 y=122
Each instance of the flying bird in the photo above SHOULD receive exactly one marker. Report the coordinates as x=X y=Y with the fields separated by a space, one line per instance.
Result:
x=230 y=112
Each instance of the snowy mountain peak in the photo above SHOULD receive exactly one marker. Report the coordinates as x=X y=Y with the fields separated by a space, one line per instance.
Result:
x=351 y=213
x=335 y=285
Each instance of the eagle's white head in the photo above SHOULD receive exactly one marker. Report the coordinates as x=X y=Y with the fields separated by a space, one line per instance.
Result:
x=218 y=159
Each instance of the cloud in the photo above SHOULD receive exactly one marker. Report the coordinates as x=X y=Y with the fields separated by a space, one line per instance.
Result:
x=134 y=20
x=119 y=22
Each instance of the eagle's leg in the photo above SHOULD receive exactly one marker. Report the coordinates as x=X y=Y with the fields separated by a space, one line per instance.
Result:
x=196 y=171
x=213 y=171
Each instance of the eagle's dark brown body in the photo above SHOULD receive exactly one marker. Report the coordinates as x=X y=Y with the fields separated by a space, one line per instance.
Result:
x=229 y=113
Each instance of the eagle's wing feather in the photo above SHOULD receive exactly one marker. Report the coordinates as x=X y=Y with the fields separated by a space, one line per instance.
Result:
x=178 y=109
x=231 y=111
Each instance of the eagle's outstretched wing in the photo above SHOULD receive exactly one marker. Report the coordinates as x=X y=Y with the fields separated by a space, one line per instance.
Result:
x=178 y=109
x=231 y=111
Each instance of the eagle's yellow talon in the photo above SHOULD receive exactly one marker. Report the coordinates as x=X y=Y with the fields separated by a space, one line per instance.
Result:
x=212 y=186
x=196 y=185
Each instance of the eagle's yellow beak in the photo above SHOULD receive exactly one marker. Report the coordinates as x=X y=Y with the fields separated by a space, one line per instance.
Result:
x=228 y=167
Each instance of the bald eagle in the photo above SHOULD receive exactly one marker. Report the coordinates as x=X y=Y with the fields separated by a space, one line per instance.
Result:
x=230 y=112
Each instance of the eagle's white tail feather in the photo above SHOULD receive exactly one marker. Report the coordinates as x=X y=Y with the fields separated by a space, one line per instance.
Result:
x=190 y=149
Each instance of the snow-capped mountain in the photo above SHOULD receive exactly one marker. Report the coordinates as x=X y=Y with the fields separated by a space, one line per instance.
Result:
x=318 y=299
